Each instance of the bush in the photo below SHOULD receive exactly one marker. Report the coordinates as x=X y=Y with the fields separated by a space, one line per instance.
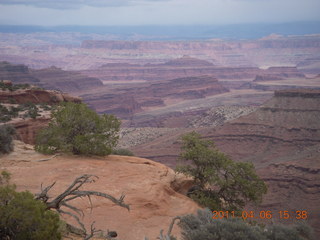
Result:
x=122 y=152
x=6 y=133
x=22 y=217
x=6 y=114
x=300 y=231
x=221 y=184
x=204 y=227
x=77 y=129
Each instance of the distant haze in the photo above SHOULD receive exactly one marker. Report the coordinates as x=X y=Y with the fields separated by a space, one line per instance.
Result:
x=155 y=12
x=165 y=33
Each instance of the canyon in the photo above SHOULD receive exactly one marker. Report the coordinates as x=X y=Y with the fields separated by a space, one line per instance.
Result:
x=281 y=138
x=258 y=100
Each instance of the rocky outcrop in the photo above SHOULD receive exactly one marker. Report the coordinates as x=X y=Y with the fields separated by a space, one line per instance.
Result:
x=49 y=78
x=17 y=73
x=151 y=189
x=121 y=104
x=269 y=77
x=36 y=96
x=175 y=68
x=285 y=125
x=67 y=81
x=27 y=128
x=284 y=72
x=187 y=61
x=125 y=102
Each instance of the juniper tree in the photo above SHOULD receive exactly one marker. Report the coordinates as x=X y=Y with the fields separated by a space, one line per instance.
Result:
x=221 y=183
x=77 y=129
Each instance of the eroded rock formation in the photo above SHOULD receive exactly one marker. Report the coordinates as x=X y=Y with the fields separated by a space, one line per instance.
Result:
x=282 y=139
x=151 y=189
x=27 y=128
x=49 y=78
x=124 y=102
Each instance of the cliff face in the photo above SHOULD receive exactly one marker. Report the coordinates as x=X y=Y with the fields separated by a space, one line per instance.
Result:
x=68 y=81
x=283 y=127
x=27 y=128
x=184 y=67
x=125 y=102
x=36 y=96
x=49 y=78
x=17 y=73
x=151 y=189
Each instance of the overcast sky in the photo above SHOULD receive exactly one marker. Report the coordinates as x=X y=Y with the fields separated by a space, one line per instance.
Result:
x=156 y=12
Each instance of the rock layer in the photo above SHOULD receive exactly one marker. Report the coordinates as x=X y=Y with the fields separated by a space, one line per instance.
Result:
x=125 y=102
x=186 y=67
x=26 y=129
x=36 y=96
x=281 y=138
x=49 y=78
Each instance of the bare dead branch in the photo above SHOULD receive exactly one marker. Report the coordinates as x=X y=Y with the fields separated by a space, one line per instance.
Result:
x=91 y=207
x=77 y=183
x=77 y=210
x=171 y=225
x=43 y=196
x=47 y=159
x=73 y=192
x=75 y=217
x=167 y=236
x=104 y=195
x=93 y=231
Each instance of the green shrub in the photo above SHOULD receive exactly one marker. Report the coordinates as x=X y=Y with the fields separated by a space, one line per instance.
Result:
x=77 y=129
x=221 y=184
x=203 y=226
x=6 y=133
x=299 y=231
x=122 y=152
x=22 y=217
x=4 y=178
x=33 y=112
x=6 y=114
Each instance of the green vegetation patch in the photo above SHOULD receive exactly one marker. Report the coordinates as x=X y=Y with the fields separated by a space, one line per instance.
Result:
x=220 y=183
x=77 y=129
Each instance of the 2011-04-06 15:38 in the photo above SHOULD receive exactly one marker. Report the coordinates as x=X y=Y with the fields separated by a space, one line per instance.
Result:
x=299 y=215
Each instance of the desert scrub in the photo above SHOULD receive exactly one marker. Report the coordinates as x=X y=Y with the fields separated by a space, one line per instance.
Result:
x=122 y=152
x=13 y=87
x=203 y=226
x=6 y=137
x=7 y=113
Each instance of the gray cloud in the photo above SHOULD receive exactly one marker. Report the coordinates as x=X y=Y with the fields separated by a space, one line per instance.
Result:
x=75 y=4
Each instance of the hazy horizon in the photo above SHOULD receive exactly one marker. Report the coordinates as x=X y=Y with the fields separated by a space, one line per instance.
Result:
x=172 y=32
x=156 y=12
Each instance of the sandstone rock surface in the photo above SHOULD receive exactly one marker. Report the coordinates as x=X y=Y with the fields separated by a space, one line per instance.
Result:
x=150 y=188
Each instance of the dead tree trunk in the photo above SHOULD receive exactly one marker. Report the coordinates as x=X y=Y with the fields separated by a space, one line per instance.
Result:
x=62 y=204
